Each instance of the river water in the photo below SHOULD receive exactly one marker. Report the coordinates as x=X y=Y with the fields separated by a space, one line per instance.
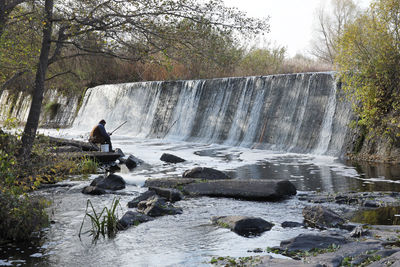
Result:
x=188 y=239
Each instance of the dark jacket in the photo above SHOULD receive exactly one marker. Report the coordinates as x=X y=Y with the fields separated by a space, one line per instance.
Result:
x=99 y=135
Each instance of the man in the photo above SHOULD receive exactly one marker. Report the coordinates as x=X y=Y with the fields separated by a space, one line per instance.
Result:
x=99 y=135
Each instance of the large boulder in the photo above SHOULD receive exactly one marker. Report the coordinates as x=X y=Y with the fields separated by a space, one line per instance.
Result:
x=171 y=158
x=243 y=225
x=157 y=206
x=170 y=194
x=205 y=173
x=268 y=190
x=110 y=182
x=132 y=218
x=321 y=217
x=146 y=195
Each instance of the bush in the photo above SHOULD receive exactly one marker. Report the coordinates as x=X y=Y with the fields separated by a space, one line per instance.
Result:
x=21 y=217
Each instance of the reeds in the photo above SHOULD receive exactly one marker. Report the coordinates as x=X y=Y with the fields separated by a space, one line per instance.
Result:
x=103 y=223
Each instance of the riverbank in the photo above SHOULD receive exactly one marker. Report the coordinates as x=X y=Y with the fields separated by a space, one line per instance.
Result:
x=23 y=215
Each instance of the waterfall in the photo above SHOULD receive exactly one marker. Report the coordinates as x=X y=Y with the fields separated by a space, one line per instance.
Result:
x=295 y=112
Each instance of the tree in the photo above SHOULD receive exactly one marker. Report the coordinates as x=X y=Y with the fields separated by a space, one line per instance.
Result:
x=369 y=63
x=6 y=7
x=331 y=25
x=262 y=61
x=139 y=26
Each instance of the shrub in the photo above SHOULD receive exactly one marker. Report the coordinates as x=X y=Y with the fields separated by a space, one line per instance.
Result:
x=21 y=217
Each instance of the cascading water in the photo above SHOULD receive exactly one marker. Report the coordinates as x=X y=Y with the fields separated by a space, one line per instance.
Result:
x=295 y=113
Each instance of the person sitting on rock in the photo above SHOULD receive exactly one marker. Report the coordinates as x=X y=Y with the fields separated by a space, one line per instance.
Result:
x=99 y=135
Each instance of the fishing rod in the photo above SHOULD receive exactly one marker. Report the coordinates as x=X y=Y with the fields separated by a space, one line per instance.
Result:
x=118 y=127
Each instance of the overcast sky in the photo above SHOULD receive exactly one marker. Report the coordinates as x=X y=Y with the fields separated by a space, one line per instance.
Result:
x=291 y=21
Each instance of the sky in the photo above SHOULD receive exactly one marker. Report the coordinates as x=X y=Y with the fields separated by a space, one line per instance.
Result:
x=291 y=21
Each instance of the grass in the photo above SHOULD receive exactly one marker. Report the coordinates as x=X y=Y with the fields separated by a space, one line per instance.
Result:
x=103 y=223
x=88 y=165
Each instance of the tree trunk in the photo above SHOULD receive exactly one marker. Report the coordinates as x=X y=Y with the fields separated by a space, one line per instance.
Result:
x=32 y=123
x=2 y=16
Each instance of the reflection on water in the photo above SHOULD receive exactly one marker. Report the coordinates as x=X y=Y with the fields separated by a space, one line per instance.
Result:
x=379 y=216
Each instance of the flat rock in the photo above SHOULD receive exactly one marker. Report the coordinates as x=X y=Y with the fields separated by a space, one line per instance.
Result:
x=306 y=242
x=270 y=190
x=244 y=189
x=243 y=225
x=177 y=183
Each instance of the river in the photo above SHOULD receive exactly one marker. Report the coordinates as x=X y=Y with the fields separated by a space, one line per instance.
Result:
x=188 y=239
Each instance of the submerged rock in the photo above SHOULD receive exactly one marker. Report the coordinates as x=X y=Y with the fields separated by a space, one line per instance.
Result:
x=156 y=206
x=111 y=182
x=132 y=218
x=171 y=158
x=321 y=217
x=291 y=224
x=205 y=173
x=243 y=225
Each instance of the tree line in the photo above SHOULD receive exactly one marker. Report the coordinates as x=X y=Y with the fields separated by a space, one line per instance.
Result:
x=71 y=45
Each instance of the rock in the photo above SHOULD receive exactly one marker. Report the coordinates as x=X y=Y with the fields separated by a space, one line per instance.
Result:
x=392 y=260
x=120 y=152
x=306 y=242
x=170 y=194
x=171 y=158
x=291 y=224
x=321 y=217
x=357 y=252
x=146 y=195
x=243 y=225
x=156 y=206
x=93 y=190
x=132 y=218
x=370 y=204
x=268 y=190
x=205 y=173
x=112 y=167
x=359 y=231
x=111 y=182
x=169 y=182
x=132 y=162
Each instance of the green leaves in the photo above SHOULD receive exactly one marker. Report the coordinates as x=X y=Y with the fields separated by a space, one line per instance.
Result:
x=369 y=65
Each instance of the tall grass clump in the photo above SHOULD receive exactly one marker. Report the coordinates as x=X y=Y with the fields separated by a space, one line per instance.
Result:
x=88 y=165
x=103 y=223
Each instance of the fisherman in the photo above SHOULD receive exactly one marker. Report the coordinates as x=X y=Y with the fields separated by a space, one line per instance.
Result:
x=99 y=135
